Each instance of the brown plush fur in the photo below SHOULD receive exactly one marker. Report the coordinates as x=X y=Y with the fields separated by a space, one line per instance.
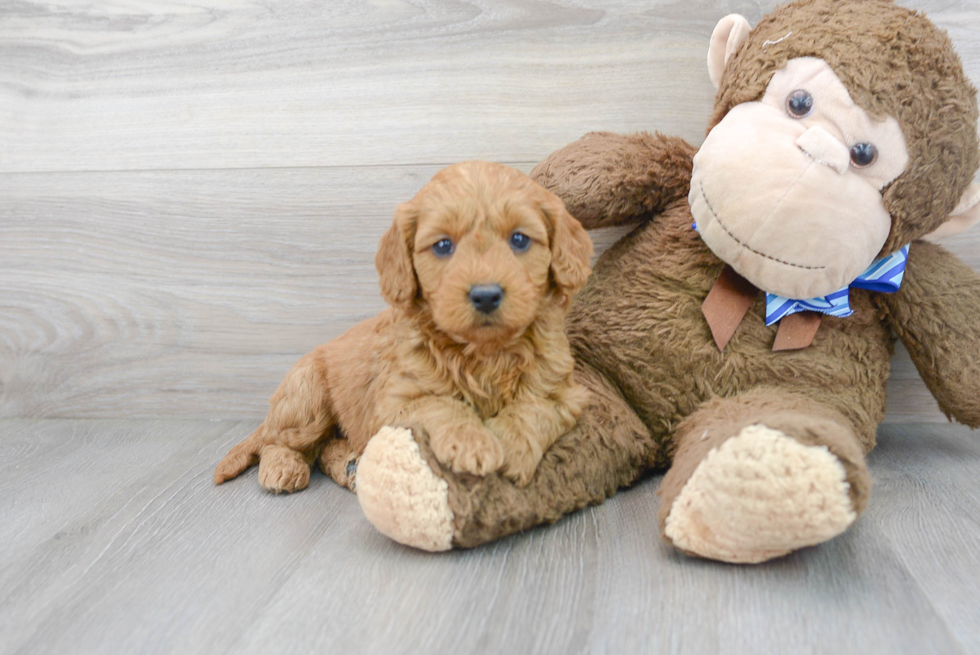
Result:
x=642 y=346
x=493 y=390
x=936 y=315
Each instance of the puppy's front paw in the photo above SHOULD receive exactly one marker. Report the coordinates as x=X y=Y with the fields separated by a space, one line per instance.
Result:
x=520 y=458
x=519 y=468
x=469 y=450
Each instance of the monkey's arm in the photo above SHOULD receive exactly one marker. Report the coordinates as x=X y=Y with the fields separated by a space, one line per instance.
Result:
x=608 y=179
x=937 y=316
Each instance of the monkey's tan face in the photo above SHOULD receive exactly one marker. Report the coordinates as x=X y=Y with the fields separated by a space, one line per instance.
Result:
x=787 y=190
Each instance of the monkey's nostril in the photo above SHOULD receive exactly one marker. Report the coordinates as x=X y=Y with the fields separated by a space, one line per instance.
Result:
x=486 y=297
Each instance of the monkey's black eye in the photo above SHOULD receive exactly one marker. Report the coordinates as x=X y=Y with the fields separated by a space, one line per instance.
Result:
x=443 y=248
x=799 y=104
x=520 y=242
x=863 y=154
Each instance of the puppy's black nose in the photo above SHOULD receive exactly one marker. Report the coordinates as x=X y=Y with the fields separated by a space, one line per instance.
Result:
x=486 y=297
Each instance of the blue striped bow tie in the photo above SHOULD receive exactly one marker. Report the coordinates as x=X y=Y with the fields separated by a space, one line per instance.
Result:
x=884 y=275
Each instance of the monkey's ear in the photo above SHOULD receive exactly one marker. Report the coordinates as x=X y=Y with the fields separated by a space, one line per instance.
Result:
x=394 y=259
x=730 y=32
x=965 y=215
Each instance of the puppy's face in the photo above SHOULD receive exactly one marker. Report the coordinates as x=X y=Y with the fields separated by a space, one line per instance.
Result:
x=482 y=246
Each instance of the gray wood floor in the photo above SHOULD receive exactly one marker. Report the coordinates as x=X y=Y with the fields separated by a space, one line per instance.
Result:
x=113 y=540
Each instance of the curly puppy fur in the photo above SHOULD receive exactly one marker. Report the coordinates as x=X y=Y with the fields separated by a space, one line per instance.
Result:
x=493 y=389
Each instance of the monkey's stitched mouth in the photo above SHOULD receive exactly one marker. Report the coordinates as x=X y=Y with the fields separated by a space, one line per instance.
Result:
x=734 y=238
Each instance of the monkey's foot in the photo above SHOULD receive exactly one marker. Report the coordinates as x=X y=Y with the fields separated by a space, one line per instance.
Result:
x=400 y=495
x=760 y=494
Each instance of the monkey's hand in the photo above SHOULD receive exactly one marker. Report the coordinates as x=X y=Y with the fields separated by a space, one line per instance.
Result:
x=608 y=179
x=936 y=314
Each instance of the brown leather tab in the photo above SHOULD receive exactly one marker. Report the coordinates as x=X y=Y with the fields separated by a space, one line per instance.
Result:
x=796 y=331
x=726 y=305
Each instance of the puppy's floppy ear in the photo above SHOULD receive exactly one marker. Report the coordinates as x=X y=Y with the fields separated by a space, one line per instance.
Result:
x=394 y=259
x=571 y=247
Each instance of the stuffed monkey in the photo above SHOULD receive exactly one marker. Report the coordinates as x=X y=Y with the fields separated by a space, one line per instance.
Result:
x=741 y=333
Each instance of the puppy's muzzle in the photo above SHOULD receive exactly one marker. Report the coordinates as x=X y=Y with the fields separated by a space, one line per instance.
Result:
x=486 y=297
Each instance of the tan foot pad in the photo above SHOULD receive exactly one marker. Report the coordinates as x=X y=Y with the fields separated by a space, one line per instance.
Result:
x=400 y=495
x=759 y=495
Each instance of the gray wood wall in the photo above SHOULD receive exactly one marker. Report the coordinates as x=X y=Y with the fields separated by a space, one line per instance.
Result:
x=191 y=193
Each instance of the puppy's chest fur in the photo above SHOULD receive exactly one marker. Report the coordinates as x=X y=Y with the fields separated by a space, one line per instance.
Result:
x=488 y=382
x=538 y=364
x=492 y=383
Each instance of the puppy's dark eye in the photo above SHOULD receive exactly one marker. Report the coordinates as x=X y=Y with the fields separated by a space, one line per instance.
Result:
x=520 y=242
x=443 y=248
x=863 y=154
x=799 y=104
